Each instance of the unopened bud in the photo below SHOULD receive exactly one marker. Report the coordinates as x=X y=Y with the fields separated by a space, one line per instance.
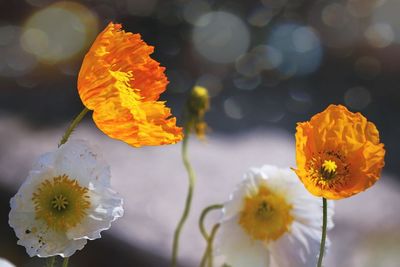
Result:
x=197 y=105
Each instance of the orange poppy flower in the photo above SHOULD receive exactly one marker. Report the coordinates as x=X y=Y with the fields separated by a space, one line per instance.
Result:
x=338 y=153
x=121 y=83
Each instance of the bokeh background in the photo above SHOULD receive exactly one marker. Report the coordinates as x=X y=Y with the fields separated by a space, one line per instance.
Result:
x=267 y=64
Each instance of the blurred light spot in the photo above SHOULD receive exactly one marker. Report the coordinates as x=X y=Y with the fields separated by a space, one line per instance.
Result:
x=336 y=26
x=232 y=109
x=362 y=8
x=140 y=8
x=247 y=83
x=299 y=101
x=260 y=58
x=388 y=13
x=334 y=15
x=8 y=34
x=194 y=9
x=357 y=98
x=260 y=17
x=59 y=31
x=367 y=67
x=304 y=39
x=221 y=38
x=212 y=83
x=299 y=46
x=179 y=81
x=273 y=110
x=380 y=35
x=14 y=61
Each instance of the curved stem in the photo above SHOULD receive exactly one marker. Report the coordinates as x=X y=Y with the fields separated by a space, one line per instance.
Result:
x=203 y=216
x=210 y=244
x=208 y=254
x=65 y=262
x=192 y=179
x=72 y=126
x=324 y=225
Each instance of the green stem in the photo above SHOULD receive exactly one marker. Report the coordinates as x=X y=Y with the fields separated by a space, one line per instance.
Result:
x=208 y=254
x=192 y=179
x=51 y=261
x=65 y=262
x=203 y=216
x=72 y=126
x=324 y=225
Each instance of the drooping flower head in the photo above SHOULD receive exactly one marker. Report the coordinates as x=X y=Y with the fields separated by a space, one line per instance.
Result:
x=271 y=220
x=66 y=200
x=121 y=83
x=338 y=153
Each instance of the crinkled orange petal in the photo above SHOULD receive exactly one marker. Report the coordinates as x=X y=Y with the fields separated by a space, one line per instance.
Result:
x=121 y=83
x=345 y=137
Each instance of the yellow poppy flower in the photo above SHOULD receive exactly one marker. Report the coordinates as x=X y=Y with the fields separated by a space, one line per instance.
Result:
x=121 y=83
x=338 y=153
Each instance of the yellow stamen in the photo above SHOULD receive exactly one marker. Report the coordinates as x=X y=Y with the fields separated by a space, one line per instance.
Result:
x=328 y=169
x=266 y=216
x=61 y=202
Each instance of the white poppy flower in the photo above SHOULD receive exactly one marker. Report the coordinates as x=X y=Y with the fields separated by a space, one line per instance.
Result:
x=5 y=263
x=271 y=221
x=66 y=199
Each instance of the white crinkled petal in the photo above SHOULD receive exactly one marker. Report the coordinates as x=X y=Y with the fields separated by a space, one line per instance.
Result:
x=238 y=249
x=81 y=162
x=300 y=246
x=106 y=208
x=76 y=160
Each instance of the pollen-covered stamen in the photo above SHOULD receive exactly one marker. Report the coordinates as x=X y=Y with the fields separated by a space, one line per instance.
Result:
x=59 y=202
x=328 y=169
x=264 y=210
x=266 y=215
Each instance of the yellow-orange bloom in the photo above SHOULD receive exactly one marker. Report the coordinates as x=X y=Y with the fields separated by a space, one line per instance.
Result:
x=121 y=83
x=338 y=153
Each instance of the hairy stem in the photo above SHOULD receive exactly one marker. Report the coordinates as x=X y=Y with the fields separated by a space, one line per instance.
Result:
x=72 y=126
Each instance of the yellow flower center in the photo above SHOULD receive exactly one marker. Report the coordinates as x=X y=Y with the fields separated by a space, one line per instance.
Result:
x=61 y=202
x=265 y=216
x=328 y=169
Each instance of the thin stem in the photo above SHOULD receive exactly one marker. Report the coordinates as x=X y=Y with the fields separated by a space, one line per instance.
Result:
x=65 y=262
x=203 y=216
x=72 y=126
x=51 y=261
x=324 y=225
x=208 y=254
x=188 y=202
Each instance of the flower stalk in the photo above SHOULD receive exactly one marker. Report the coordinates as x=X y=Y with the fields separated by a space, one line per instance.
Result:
x=196 y=106
x=72 y=126
x=208 y=253
x=188 y=202
x=324 y=226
